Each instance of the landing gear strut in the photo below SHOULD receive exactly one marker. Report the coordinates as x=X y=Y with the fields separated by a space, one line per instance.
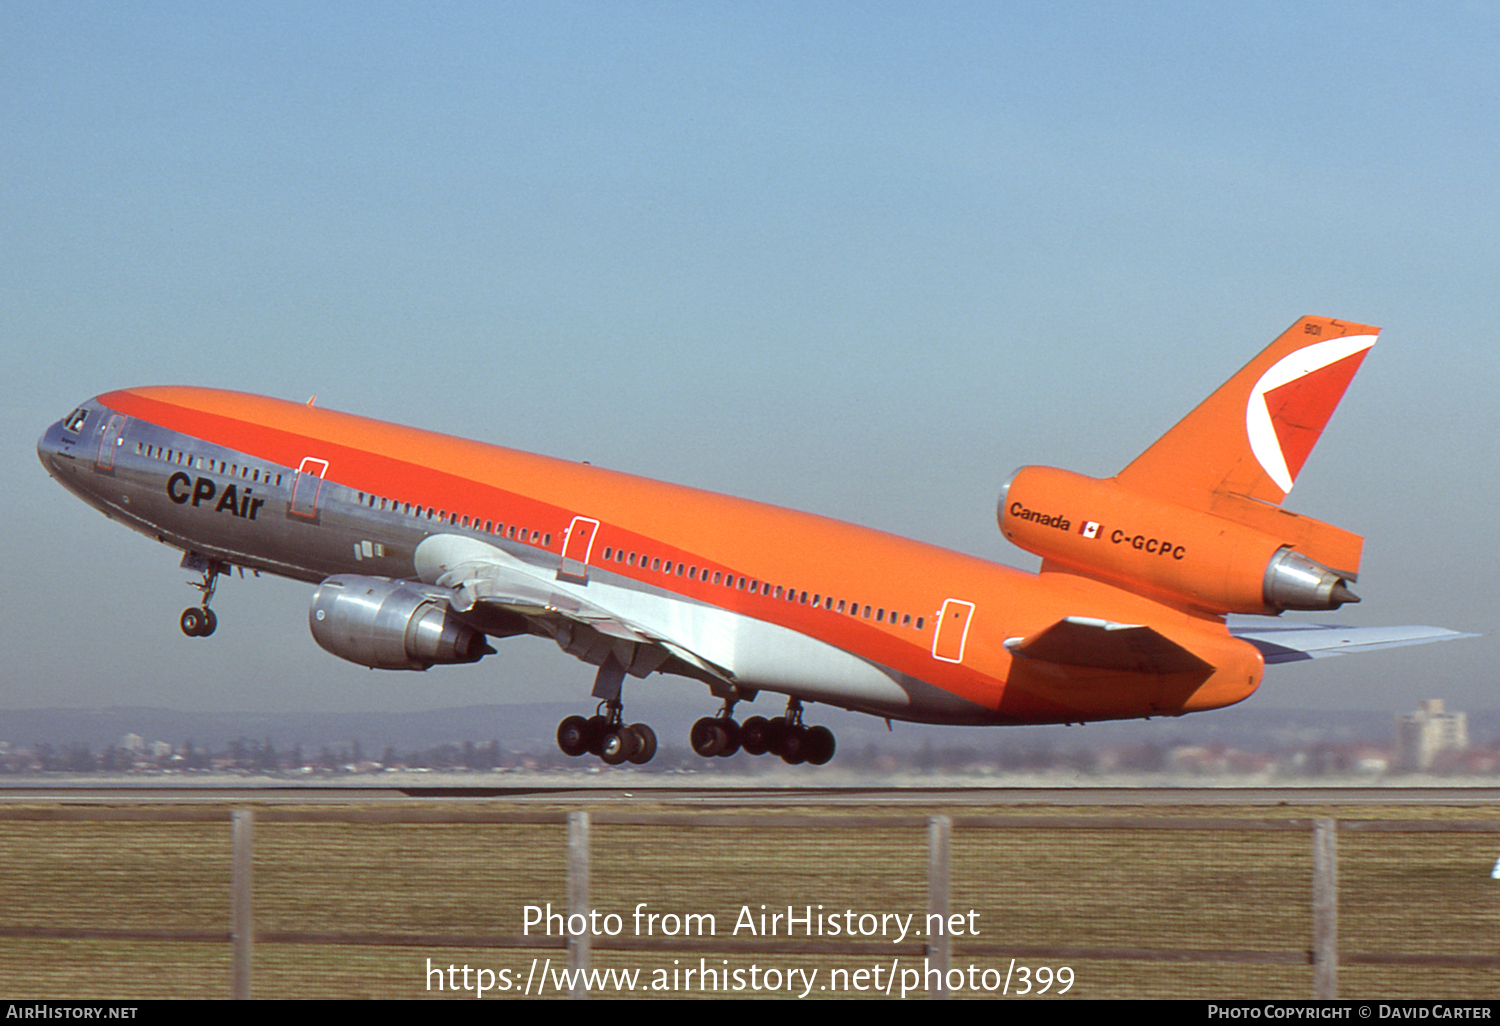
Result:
x=606 y=734
x=200 y=621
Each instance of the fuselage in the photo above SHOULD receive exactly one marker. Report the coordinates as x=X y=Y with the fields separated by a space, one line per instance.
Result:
x=787 y=602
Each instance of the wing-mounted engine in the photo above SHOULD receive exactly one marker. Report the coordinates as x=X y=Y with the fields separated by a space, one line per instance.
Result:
x=1236 y=556
x=390 y=625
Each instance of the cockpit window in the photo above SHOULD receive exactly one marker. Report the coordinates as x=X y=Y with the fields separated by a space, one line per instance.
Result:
x=75 y=419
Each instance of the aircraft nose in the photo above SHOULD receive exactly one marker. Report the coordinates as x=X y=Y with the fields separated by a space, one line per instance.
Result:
x=48 y=446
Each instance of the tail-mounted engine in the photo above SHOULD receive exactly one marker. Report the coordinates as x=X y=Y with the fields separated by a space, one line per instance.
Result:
x=1237 y=556
x=390 y=625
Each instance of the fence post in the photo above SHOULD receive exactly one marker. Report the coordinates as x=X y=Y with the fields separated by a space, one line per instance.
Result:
x=1325 y=954
x=242 y=901
x=578 y=899
x=939 y=874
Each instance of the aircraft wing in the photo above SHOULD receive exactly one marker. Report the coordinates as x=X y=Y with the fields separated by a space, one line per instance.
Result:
x=483 y=578
x=1288 y=643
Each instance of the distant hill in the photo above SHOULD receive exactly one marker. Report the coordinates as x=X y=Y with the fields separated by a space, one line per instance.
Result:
x=531 y=728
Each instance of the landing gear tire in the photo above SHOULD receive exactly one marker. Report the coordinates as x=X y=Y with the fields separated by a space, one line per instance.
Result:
x=619 y=745
x=755 y=735
x=708 y=737
x=210 y=623
x=732 y=737
x=793 y=748
x=647 y=748
x=193 y=622
x=599 y=728
x=776 y=732
x=573 y=736
x=820 y=745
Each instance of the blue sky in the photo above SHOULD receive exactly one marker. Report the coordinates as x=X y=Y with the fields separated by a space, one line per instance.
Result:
x=862 y=259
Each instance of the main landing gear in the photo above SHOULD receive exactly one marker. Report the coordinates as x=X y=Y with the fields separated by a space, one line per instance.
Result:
x=606 y=735
x=200 y=621
x=785 y=736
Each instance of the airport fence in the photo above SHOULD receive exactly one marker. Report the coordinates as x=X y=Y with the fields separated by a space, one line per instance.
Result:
x=465 y=900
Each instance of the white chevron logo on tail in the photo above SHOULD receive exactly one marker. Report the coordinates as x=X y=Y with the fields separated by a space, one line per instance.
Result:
x=1292 y=401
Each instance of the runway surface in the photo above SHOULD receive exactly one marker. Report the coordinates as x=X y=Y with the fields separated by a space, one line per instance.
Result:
x=762 y=796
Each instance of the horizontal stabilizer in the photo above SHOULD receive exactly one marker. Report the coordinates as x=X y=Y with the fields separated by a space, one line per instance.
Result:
x=1104 y=645
x=1290 y=643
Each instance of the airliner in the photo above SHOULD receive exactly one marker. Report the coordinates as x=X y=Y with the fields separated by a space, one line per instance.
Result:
x=424 y=548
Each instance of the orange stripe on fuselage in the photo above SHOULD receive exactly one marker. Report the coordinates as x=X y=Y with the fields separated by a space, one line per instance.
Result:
x=751 y=539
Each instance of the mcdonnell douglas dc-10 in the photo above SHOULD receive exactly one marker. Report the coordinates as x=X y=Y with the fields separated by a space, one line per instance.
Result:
x=423 y=546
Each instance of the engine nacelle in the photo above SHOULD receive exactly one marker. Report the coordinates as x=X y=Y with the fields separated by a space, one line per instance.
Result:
x=1244 y=557
x=390 y=625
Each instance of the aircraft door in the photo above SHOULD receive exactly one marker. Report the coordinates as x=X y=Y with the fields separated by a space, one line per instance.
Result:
x=307 y=486
x=577 y=544
x=952 y=630
x=109 y=439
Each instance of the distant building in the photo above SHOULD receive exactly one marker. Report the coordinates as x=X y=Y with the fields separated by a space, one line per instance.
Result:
x=1421 y=735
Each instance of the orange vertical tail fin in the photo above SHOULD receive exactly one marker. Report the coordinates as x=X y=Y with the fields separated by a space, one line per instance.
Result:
x=1252 y=436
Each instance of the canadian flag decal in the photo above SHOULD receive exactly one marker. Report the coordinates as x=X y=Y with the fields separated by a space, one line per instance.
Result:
x=1089 y=529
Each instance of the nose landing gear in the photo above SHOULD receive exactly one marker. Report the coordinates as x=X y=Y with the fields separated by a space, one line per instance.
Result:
x=199 y=622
